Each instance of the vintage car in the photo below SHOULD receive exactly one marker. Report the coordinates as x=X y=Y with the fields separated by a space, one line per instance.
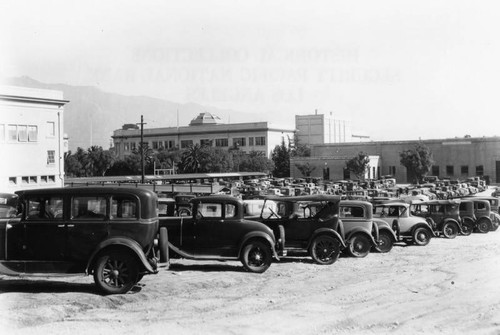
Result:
x=360 y=231
x=469 y=219
x=306 y=223
x=485 y=218
x=493 y=212
x=408 y=228
x=217 y=230
x=104 y=231
x=443 y=216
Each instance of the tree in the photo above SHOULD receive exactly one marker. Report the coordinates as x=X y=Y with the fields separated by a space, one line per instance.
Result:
x=256 y=161
x=99 y=160
x=299 y=149
x=306 y=169
x=281 y=158
x=358 y=165
x=418 y=162
x=193 y=159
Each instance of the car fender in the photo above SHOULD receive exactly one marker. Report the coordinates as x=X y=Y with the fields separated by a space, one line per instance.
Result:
x=122 y=242
x=258 y=234
x=393 y=234
x=451 y=220
x=327 y=231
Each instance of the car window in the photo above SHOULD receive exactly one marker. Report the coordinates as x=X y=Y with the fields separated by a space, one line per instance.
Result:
x=210 y=210
x=351 y=211
x=124 y=207
x=88 y=208
x=230 y=210
x=393 y=211
x=43 y=208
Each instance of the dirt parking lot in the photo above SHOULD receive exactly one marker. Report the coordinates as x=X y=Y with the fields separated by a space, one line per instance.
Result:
x=447 y=287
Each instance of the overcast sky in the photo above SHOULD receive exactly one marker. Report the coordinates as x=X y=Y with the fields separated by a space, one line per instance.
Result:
x=396 y=69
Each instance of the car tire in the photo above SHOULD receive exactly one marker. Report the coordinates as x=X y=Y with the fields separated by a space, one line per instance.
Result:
x=421 y=236
x=256 y=256
x=386 y=242
x=359 y=246
x=450 y=230
x=116 y=272
x=482 y=225
x=325 y=249
x=467 y=226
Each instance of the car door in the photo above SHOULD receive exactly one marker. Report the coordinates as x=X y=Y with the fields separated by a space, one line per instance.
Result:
x=217 y=235
x=45 y=234
x=87 y=226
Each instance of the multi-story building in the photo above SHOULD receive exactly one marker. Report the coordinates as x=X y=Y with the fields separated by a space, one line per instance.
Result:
x=205 y=129
x=456 y=158
x=320 y=128
x=31 y=138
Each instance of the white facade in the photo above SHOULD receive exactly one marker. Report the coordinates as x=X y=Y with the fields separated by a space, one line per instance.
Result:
x=31 y=138
x=321 y=129
x=250 y=136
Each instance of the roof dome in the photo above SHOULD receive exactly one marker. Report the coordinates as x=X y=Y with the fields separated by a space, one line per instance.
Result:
x=205 y=118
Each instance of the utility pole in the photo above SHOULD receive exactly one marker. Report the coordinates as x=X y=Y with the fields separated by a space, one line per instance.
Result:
x=142 y=149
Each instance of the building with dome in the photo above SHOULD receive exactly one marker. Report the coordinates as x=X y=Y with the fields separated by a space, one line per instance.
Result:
x=204 y=129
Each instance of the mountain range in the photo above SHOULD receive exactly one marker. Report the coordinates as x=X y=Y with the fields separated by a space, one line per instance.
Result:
x=92 y=115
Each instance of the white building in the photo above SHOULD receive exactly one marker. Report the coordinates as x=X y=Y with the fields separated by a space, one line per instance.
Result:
x=31 y=138
x=320 y=129
x=205 y=129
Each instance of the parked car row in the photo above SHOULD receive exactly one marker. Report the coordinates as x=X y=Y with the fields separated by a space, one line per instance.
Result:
x=119 y=234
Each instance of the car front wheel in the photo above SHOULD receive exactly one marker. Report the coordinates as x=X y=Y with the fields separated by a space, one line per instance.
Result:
x=325 y=250
x=386 y=241
x=450 y=230
x=256 y=256
x=116 y=272
x=483 y=226
x=359 y=246
x=467 y=227
x=421 y=236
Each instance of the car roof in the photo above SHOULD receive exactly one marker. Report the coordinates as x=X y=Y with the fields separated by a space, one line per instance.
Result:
x=85 y=190
x=315 y=197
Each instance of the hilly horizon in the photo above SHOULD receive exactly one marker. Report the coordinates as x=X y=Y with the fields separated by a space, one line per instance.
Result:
x=92 y=115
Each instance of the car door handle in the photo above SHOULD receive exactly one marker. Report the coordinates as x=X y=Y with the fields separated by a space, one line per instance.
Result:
x=71 y=226
x=60 y=226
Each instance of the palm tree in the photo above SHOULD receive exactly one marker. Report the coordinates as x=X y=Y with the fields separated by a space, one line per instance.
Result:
x=192 y=160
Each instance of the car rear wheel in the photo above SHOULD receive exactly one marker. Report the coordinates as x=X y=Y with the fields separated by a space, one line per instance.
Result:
x=483 y=226
x=325 y=250
x=467 y=227
x=359 y=246
x=256 y=256
x=421 y=236
x=116 y=272
x=450 y=230
x=386 y=241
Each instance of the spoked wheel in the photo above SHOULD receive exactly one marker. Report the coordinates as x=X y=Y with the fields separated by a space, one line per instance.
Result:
x=467 y=227
x=359 y=246
x=386 y=241
x=325 y=250
x=256 y=256
x=483 y=226
x=450 y=230
x=421 y=236
x=116 y=272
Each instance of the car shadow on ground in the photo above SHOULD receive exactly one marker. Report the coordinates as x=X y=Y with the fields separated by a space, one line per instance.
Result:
x=44 y=286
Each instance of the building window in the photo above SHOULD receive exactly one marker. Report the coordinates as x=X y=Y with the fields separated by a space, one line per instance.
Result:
x=250 y=141
x=170 y=144
x=479 y=170
x=133 y=146
x=435 y=170
x=239 y=141
x=12 y=132
x=33 y=179
x=22 y=133
x=392 y=170
x=51 y=157
x=155 y=145
x=449 y=170
x=13 y=180
x=51 y=129
x=126 y=146
x=464 y=170
x=205 y=142
x=261 y=140
x=186 y=143
x=32 y=133
x=221 y=142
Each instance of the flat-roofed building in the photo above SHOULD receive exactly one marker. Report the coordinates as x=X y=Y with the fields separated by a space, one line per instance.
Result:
x=205 y=129
x=322 y=128
x=32 y=143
